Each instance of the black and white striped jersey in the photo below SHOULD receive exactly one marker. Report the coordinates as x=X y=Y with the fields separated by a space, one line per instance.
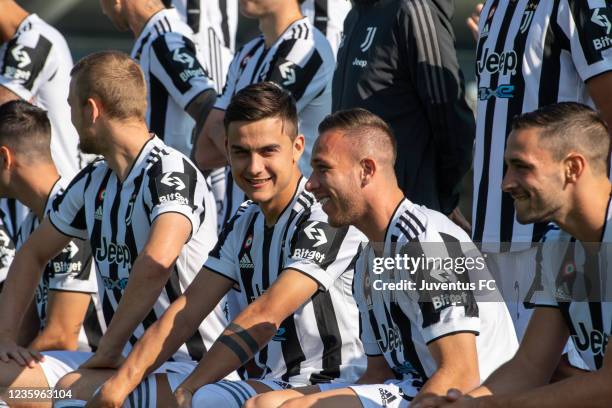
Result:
x=300 y=61
x=8 y=234
x=175 y=77
x=117 y=216
x=531 y=53
x=400 y=323
x=72 y=271
x=35 y=65
x=320 y=341
x=214 y=24
x=575 y=279
x=328 y=17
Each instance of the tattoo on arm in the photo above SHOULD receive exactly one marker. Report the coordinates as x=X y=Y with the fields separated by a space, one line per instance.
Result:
x=244 y=336
x=235 y=347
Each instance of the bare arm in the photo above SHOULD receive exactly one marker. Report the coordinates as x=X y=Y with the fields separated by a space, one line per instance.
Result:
x=457 y=361
x=6 y=95
x=209 y=148
x=200 y=107
x=149 y=274
x=65 y=314
x=599 y=88
x=20 y=285
x=167 y=334
x=252 y=329
x=377 y=371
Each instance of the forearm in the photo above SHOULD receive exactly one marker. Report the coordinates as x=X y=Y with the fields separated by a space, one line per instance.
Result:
x=209 y=149
x=18 y=291
x=587 y=390
x=243 y=338
x=146 y=282
x=50 y=339
x=446 y=378
x=156 y=346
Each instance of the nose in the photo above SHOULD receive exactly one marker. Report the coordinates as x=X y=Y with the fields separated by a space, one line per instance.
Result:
x=256 y=164
x=509 y=181
x=313 y=183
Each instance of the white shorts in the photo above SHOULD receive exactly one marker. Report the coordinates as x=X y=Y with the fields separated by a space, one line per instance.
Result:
x=391 y=394
x=59 y=363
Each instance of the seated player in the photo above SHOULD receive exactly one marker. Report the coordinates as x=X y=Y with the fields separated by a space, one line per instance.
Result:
x=419 y=341
x=557 y=158
x=294 y=272
x=149 y=218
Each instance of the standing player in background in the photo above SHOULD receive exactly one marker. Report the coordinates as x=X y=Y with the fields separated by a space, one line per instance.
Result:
x=557 y=171
x=530 y=54
x=328 y=17
x=67 y=296
x=398 y=61
x=180 y=91
x=147 y=213
x=289 y=52
x=35 y=65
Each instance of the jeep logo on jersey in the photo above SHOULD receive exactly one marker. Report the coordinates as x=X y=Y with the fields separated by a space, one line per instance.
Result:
x=504 y=63
x=114 y=254
x=595 y=341
x=369 y=39
x=392 y=340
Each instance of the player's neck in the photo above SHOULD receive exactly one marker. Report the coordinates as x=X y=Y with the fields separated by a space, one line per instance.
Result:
x=586 y=218
x=380 y=208
x=273 y=209
x=139 y=16
x=13 y=16
x=274 y=25
x=34 y=187
x=125 y=141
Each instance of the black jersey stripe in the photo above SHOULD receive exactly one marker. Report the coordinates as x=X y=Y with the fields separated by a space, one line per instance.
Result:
x=325 y=316
x=320 y=15
x=158 y=106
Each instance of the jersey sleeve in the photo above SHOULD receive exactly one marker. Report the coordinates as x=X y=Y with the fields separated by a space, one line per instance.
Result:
x=440 y=308
x=223 y=258
x=321 y=251
x=175 y=64
x=72 y=270
x=68 y=209
x=555 y=269
x=588 y=26
x=426 y=50
x=229 y=89
x=176 y=186
x=26 y=64
x=302 y=69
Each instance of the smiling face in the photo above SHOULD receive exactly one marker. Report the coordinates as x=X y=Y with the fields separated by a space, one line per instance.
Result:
x=263 y=160
x=533 y=178
x=335 y=178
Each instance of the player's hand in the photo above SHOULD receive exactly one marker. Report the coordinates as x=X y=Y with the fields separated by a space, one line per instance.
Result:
x=472 y=21
x=102 y=359
x=454 y=398
x=10 y=350
x=457 y=217
x=183 y=397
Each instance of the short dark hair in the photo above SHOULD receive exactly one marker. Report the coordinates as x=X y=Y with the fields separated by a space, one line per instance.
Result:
x=262 y=101
x=26 y=129
x=358 y=119
x=568 y=126
x=116 y=79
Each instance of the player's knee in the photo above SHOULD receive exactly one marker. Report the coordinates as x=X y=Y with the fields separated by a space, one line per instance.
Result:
x=256 y=402
x=268 y=399
x=215 y=396
x=72 y=382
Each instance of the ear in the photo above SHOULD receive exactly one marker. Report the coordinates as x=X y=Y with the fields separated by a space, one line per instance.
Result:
x=298 y=148
x=7 y=159
x=95 y=109
x=574 y=166
x=368 y=170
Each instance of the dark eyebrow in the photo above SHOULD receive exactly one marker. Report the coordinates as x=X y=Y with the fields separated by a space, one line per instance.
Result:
x=259 y=149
